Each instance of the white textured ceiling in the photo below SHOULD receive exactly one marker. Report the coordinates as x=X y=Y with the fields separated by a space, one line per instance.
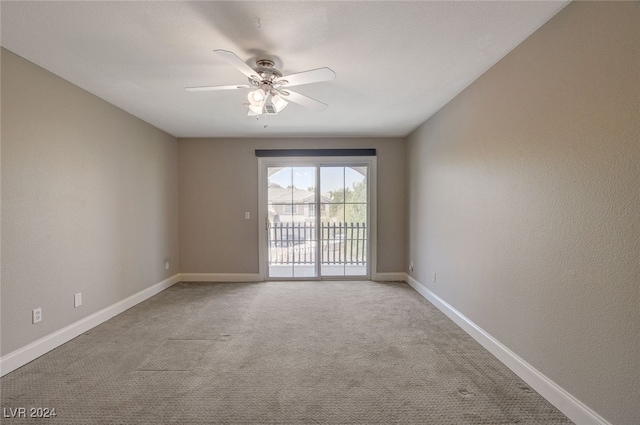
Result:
x=396 y=62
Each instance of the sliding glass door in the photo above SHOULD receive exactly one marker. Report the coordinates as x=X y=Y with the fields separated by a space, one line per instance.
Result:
x=316 y=220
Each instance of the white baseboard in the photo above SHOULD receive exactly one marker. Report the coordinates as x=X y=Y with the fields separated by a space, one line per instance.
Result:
x=390 y=277
x=256 y=277
x=573 y=408
x=220 y=277
x=28 y=353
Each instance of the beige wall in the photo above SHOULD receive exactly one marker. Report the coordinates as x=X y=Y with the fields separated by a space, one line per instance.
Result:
x=524 y=197
x=89 y=203
x=219 y=182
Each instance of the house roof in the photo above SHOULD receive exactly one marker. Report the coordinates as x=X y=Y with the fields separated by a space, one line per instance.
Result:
x=280 y=195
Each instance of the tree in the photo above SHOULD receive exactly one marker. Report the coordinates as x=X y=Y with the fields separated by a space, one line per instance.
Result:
x=350 y=205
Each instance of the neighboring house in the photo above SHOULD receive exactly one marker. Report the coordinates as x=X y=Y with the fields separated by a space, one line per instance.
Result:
x=293 y=205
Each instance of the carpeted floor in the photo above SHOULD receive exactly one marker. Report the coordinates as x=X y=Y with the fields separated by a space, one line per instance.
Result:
x=272 y=353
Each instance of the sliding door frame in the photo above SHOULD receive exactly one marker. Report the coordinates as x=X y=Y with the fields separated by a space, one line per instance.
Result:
x=265 y=162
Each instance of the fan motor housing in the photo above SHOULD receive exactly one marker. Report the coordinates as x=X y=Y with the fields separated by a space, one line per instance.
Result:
x=265 y=69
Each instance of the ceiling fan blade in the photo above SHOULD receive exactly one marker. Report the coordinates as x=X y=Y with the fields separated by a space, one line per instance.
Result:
x=238 y=63
x=307 y=77
x=214 y=88
x=303 y=100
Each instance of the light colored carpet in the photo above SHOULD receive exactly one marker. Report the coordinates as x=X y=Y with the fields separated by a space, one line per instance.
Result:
x=277 y=353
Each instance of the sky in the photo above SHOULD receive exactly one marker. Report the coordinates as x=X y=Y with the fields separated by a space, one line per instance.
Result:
x=331 y=178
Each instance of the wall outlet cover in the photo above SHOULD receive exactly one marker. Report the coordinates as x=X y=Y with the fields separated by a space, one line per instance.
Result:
x=36 y=315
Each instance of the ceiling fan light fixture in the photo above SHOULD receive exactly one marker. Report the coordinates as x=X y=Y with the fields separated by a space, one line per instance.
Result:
x=278 y=103
x=256 y=109
x=257 y=97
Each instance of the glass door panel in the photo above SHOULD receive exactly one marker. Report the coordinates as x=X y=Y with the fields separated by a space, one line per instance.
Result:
x=292 y=240
x=343 y=224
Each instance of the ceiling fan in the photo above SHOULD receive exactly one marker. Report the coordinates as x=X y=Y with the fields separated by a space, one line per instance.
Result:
x=271 y=89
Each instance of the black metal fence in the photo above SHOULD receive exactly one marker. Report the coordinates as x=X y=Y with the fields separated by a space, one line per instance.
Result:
x=340 y=243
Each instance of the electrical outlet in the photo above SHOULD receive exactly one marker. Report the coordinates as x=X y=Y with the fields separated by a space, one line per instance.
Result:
x=435 y=276
x=77 y=299
x=166 y=264
x=411 y=266
x=36 y=315
x=247 y=215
